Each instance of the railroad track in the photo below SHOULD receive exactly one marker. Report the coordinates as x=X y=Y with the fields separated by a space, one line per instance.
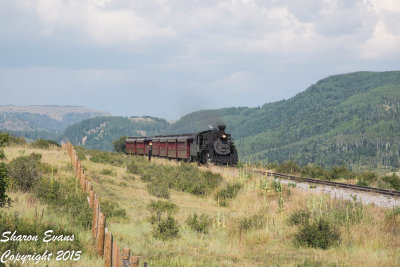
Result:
x=387 y=192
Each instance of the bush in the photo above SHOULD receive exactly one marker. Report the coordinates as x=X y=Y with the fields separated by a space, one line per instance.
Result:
x=4 y=182
x=366 y=178
x=64 y=199
x=247 y=223
x=299 y=217
x=2 y=155
x=112 y=209
x=25 y=171
x=319 y=234
x=288 y=167
x=119 y=144
x=313 y=171
x=157 y=208
x=393 y=180
x=80 y=152
x=45 y=144
x=158 y=189
x=4 y=138
x=166 y=229
x=185 y=177
x=198 y=224
x=104 y=157
x=229 y=192
x=339 y=172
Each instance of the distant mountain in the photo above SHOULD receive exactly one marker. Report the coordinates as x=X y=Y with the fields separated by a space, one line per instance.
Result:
x=42 y=121
x=349 y=119
x=100 y=132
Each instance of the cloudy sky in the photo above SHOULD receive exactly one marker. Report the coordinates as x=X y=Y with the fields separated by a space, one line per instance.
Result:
x=168 y=58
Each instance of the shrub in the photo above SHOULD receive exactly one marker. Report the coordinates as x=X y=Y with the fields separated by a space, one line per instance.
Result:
x=158 y=188
x=4 y=138
x=104 y=157
x=198 y=224
x=64 y=199
x=157 y=208
x=119 y=144
x=112 y=209
x=229 y=192
x=366 y=178
x=80 y=152
x=319 y=234
x=25 y=171
x=44 y=144
x=339 y=172
x=247 y=223
x=166 y=229
x=393 y=180
x=313 y=171
x=288 y=167
x=4 y=180
x=299 y=217
x=2 y=155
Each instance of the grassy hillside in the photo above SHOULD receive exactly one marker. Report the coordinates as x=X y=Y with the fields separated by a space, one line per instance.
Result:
x=42 y=121
x=351 y=119
x=100 y=132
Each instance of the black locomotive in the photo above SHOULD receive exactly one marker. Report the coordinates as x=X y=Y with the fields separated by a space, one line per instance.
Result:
x=208 y=146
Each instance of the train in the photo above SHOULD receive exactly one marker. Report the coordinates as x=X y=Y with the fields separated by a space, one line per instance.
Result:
x=210 y=146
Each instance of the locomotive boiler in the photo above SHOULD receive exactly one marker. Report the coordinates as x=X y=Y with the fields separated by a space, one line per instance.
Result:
x=214 y=146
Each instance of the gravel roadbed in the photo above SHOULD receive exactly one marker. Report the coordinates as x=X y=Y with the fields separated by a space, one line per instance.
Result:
x=365 y=197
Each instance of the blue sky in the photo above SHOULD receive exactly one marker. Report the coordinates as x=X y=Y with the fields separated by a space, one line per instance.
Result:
x=168 y=58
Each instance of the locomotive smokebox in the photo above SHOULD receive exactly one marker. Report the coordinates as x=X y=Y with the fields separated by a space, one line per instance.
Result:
x=221 y=127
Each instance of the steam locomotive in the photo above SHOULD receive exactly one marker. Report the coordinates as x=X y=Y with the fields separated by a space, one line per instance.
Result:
x=203 y=147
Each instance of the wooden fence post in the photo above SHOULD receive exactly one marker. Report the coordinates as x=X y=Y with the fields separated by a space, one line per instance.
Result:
x=96 y=209
x=91 y=199
x=108 y=249
x=134 y=261
x=89 y=187
x=126 y=253
x=100 y=234
x=115 y=255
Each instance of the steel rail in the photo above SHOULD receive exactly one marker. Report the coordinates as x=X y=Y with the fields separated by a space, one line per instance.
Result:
x=388 y=192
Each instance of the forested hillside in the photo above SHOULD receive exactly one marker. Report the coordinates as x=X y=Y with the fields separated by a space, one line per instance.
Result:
x=348 y=119
x=100 y=132
x=42 y=121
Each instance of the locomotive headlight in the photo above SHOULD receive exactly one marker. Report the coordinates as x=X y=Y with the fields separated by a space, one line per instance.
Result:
x=223 y=136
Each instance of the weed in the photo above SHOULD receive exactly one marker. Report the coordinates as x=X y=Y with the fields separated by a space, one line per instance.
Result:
x=276 y=184
x=108 y=172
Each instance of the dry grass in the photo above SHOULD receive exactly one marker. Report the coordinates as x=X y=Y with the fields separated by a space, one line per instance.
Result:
x=369 y=243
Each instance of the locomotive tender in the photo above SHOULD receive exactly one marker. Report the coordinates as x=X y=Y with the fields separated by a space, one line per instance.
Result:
x=208 y=146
